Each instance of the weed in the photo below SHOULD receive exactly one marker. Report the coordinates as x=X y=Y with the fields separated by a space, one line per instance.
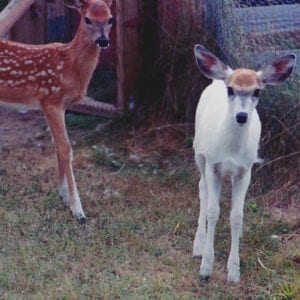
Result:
x=288 y=291
x=106 y=158
x=252 y=207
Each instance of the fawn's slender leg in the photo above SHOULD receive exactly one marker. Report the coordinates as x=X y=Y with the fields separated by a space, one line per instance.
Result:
x=68 y=190
x=200 y=236
x=213 y=211
x=240 y=185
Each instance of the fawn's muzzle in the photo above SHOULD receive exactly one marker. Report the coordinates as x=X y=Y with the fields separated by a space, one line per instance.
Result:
x=242 y=118
x=103 y=41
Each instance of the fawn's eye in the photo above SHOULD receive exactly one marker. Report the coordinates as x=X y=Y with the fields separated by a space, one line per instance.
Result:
x=256 y=93
x=110 y=21
x=87 y=21
x=230 y=91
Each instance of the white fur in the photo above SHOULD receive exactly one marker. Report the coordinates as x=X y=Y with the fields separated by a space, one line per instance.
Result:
x=223 y=146
x=215 y=126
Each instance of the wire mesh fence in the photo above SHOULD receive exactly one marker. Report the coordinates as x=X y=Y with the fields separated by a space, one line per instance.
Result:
x=250 y=34
x=244 y=31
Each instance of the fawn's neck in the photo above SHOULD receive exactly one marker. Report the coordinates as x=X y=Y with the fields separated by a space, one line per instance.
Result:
x=84 y=54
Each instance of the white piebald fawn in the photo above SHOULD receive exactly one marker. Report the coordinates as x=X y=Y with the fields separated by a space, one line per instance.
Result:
x=227 y=134
x=52 y=77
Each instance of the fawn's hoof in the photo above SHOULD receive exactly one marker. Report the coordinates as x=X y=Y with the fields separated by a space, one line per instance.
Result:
x=205 y=271
x=233 y=277
x=204 y=277
x=81 y=219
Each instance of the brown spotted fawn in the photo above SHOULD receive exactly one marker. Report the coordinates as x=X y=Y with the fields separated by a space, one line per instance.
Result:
x=227 y=134
x=52 y=77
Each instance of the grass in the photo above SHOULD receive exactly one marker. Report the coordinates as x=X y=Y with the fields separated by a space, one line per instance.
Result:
x=137 y=243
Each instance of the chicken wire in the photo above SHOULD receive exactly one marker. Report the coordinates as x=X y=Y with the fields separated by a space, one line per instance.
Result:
x=251 y=32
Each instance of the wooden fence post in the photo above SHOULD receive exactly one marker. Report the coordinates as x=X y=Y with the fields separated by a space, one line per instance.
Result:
x=11 y=13
x=120 y=55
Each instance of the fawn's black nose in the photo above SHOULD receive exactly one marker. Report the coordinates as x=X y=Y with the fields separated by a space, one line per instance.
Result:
x=102 y=41
x=242 y=118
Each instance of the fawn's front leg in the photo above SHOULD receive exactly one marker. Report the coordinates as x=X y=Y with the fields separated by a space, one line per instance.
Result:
x=240 y=185
x=200 y=236
x=213 y=181
x=68 y=190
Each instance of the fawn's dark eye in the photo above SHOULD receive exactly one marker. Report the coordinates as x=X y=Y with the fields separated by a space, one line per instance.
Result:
x=111 y=21
x=230 y=91
x=256 y=93
x=87 y=21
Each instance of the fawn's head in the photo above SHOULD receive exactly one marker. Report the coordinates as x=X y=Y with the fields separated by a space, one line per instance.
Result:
x=96 y=17
x=243 y=85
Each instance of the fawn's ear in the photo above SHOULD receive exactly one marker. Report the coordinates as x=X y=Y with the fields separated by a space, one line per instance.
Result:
x=278 y=70
x=77 y=4
x=210 y=65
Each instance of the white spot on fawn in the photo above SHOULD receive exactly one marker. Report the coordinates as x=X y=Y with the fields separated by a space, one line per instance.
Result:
x=55 y=89
x=13 y=72
x=44 y=91
x=4 y=69
x=60 y=66
x=42 y=73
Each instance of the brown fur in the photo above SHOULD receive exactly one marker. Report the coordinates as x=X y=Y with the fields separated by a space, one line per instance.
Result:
x=99 y=10
x=244 y=80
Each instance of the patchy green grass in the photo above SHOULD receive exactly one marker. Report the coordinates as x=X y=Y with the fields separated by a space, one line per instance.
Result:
x=137 y=243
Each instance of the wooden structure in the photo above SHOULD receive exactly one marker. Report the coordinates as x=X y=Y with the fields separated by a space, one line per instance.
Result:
x=12 y=12
x=44 y=21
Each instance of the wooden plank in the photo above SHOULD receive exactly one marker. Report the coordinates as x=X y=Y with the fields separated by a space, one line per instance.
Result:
x=11 y=13
x=89 y=106
x=120 y=55
x=131 y=47
x=56 y=21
